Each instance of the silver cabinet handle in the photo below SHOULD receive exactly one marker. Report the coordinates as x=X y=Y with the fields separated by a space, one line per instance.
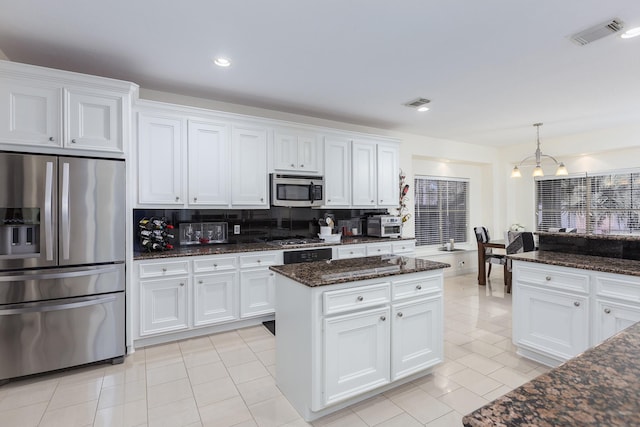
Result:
x=177 y=199
x=195 y=200
x=258 y=261
x=373 y=201
x=576 y=303
x=271 y=274
x=181 y=284
x=199 y=281
x=73 y=141
x=383 y=318
x=261 y=199
x=607 y=310
x=301 y=166
x=381 y=200
x=419 y=287
x=293 y=165
x=215 y=265
x=328 y=200
x=548 y=278
x=164 y=269
x=399 y=314
x=51 y=138
x=360 y=298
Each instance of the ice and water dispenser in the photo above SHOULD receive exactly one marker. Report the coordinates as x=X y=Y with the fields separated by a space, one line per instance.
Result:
x=19 y=231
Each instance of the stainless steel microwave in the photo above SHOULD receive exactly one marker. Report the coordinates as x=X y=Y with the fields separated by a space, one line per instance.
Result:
x=296 y=190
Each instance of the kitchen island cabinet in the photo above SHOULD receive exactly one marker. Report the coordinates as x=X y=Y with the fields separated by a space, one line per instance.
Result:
x=564 y=304
x=349 y=329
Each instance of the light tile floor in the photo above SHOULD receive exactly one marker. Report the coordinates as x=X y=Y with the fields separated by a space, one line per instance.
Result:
x=228 y=379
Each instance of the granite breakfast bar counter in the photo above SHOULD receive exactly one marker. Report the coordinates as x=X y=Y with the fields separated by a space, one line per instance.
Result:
x=349 y=329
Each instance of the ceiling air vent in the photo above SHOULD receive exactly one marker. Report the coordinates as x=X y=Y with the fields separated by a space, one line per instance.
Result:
x=597 y=32
x=417 y=103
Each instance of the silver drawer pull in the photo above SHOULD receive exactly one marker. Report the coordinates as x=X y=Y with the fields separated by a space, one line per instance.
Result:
x=258 y=261
x=51 y=138
x=215 y=265
x=181 y=284
x=576 y=303
x=199 y=281
x=607 y=310
x=419 y=287
x=399 y=314
x=383 y=318
x=164 y=269
x=547 y=278
x=360 y=298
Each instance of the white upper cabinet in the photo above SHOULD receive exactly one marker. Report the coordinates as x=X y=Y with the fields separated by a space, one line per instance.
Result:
x=388 y=175
x=364 y=174
x=337 y=172
x=295 y=151
x=160 y=168
x=94 y=120
x=31 y=113
x=41 y=107
x=249 y=178
x=208 y=148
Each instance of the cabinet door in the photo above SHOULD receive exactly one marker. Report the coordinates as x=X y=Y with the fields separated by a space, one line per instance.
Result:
x=94 y=121
x=337 y=175
x=356 y=353
x=215 y=298
x=163 y=305
x=612 y=317
x=208 y=164
x=388 y=176
x=364 y=174
x=257 y=292
x=416 y=336
x=30 y=114
x=159 y=160
x=249 y=165
x=285 y=156
x=551 y=322
x=308 y=159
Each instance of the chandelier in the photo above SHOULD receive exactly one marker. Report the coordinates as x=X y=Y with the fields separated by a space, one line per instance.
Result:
x=538 y=156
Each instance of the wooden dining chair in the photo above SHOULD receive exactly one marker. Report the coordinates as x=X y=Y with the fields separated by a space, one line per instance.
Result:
x=482 y=236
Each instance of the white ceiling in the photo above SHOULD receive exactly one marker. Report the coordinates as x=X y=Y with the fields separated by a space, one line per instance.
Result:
x=492 y=68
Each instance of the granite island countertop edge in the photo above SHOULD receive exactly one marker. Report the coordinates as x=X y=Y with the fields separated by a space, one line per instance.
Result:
x=585 y=262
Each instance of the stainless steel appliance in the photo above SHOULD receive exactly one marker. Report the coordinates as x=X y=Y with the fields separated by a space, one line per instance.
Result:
x=306 y=255
x=384 y=226
x=62 y=251
x=297 y=191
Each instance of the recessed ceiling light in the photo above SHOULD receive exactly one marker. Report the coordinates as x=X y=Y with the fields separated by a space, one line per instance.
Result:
x=634 y=32
x=422 y=109
x=222 y=62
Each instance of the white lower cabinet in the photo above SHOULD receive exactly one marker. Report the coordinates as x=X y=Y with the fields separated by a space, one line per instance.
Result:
x=257 y=292
x=340 y=344
x=416 y=336
x=356 y=353
x=554 y=321
x=163 y=305
x=559 y=312
x=215 y=298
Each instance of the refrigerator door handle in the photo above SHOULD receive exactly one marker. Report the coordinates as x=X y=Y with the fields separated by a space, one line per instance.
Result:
x=48 y=212
x=64 y=212
x=39 y=307
x=87 y=271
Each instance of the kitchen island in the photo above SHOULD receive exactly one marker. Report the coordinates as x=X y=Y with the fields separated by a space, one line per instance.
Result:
x=350 y=329
x=596 y=388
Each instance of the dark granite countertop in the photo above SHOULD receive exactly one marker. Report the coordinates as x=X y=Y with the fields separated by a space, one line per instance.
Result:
x=618 y=237
x=233 y=248
x=587 y=262
x=321 y=273
x=600 y=387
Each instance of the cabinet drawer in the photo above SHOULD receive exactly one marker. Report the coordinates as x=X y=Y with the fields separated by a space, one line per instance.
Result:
x=401 y=289
x=562 y=279
x=260 y=259
x=214 y=264
x=355 y=298
x=404 y=247
x=622 y=287
x=163 y=269
x=378 y=249
x=351 y=251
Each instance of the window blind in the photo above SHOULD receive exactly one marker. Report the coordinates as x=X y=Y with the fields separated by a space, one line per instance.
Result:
x=441 y=209
x=603 y=203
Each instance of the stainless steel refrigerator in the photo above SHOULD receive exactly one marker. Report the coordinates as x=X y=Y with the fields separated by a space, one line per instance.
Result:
x=62 y=251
